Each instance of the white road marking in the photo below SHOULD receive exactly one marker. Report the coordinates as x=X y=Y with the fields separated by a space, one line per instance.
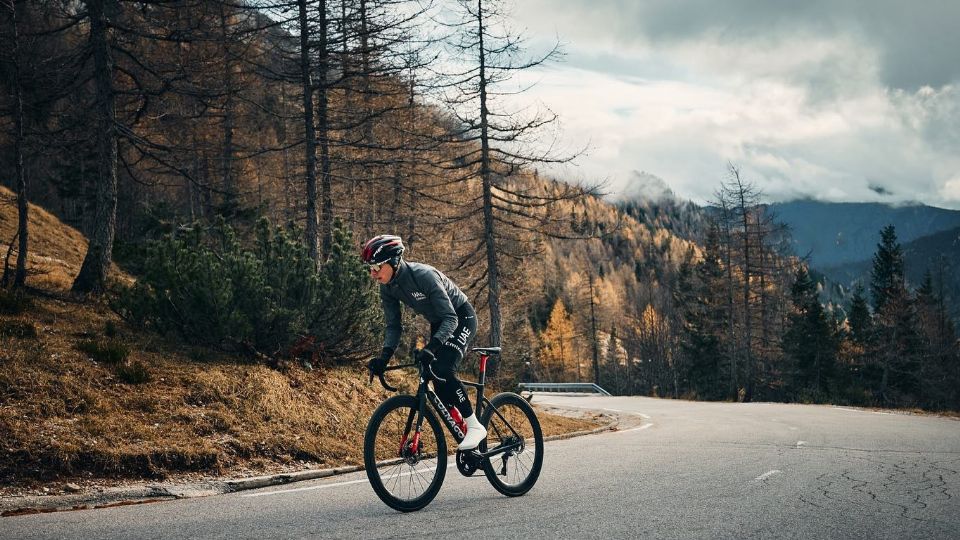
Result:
x=863 y=411
x=645 y=426
x=767 y=474
x=324 y=486
x=641 y=415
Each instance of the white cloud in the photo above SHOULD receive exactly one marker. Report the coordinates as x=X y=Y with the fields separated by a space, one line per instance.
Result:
x=805 y=109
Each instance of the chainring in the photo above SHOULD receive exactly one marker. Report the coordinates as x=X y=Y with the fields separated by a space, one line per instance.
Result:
x=467 y=463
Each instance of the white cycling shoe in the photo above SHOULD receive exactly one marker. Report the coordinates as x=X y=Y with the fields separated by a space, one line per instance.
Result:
x=475 y=433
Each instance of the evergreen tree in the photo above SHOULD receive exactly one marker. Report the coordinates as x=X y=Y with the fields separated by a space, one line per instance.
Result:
x=809 y=341
x=896 y=352
x=213 y=290
x=859 y=320
x=704 y=320
x=886 y=277
x=937 y=371
x=854 y=345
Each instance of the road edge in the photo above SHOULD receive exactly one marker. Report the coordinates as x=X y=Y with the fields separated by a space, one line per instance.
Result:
x=150 y=493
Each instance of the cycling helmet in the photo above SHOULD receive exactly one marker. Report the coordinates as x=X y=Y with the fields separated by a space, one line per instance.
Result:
x=381 y=249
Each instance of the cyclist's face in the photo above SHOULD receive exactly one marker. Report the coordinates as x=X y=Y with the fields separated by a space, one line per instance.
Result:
x=383 y=274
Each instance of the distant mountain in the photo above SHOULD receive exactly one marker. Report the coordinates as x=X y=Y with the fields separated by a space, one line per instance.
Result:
x=838 y=233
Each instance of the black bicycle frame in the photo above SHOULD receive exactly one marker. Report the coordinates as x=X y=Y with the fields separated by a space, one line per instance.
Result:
x=426 y=394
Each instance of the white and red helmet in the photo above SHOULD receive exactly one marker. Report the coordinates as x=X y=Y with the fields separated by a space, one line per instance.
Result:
x=381 y=249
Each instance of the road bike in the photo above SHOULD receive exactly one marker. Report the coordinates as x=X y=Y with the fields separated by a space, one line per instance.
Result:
x=405 y=450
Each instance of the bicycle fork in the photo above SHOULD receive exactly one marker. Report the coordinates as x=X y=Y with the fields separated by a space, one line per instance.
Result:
x=410 y=442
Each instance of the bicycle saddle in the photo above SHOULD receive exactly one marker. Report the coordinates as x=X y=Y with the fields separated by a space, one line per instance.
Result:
x=486 y=350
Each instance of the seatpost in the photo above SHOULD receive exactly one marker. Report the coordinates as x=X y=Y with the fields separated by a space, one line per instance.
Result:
x=483 y=368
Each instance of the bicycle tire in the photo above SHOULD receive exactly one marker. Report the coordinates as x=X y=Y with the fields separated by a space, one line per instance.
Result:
x=390 y=473
x=516 y=418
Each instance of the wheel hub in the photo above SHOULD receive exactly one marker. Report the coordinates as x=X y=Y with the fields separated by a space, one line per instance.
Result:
x=411 y=455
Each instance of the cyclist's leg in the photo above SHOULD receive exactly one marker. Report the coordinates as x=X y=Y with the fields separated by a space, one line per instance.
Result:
x=453 y=392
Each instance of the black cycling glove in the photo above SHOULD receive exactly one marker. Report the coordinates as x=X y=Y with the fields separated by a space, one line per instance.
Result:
x=378 y=364
x=425 y=356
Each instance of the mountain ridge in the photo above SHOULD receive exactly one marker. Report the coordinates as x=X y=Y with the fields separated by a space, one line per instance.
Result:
x=833 y=234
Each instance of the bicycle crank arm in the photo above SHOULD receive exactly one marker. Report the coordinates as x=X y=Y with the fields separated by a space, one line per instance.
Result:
x=496 y=451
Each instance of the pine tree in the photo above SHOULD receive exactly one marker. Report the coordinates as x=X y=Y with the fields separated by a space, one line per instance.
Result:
x=896 y=352
x=886 y=277
x=809 y=342
x=861 y=324
x=704 y=319
x=854 y=345
x=937 y=382
x=213 y=290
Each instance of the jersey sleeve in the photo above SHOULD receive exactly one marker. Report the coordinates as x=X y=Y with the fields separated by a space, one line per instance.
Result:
x=392 y=317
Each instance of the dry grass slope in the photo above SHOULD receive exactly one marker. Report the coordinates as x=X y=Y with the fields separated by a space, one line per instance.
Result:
x=68 y=413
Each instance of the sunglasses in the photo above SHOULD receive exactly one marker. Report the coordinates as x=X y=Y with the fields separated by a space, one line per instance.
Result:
x=376 y=267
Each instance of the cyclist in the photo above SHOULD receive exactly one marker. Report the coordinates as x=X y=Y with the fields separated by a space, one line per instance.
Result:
x=453 y=322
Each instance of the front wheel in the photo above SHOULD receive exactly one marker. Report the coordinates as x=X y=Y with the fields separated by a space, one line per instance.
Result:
x=512 y=425
x=406 y=471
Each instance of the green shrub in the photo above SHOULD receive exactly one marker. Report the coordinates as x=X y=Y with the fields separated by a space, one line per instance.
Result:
x=18 y=329
x=110 y=329
x=107 y=352
x=213 y=290
x=13 y=302
x=133 y=373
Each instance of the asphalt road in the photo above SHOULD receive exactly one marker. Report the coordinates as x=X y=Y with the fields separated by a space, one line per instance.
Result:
x=679 y=470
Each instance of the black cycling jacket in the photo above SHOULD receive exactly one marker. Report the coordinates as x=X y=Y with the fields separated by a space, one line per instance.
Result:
x=428 y=292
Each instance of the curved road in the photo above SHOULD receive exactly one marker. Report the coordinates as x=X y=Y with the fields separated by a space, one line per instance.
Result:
x=677 y=469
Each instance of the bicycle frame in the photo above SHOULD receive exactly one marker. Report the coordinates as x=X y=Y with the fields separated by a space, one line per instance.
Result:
x=425 y=395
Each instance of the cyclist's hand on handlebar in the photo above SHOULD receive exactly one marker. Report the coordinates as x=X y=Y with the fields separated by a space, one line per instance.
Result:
x=425 y=356
x=377 y=365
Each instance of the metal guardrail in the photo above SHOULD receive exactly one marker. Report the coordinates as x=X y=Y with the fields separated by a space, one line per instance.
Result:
x=589 y=388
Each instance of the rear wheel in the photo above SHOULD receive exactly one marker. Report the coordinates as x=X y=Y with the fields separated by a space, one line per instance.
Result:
x=512 y=424
x=405 y=471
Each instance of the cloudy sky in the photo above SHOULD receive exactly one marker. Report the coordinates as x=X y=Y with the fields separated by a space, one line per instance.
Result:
x=841 y=100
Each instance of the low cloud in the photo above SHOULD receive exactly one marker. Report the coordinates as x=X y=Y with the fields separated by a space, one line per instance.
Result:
x=808 y=99
x=643 y=185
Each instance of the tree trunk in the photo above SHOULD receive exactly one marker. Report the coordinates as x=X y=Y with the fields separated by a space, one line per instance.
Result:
x=310 y=135
x=20 y=277
x=93 y=272
x=326 y=219
x=593 y=335
x=727 y=239
x=493 y=282
x=367 y=88
x=747 y=318
x=229 y=181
